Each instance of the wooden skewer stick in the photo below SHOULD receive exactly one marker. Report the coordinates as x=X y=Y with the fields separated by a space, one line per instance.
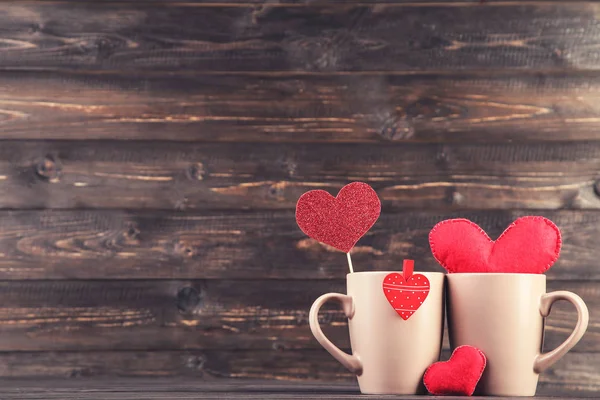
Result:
x=350 y=263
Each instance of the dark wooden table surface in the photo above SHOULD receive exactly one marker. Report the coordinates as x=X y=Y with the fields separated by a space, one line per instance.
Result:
x=168 y=388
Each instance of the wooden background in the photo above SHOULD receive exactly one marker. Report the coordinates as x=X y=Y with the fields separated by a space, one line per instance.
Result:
x=152 y=153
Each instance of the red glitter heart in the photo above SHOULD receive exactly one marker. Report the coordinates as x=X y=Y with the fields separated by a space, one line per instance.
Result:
x=406 y=293
x=338 y=221
x=530 y=245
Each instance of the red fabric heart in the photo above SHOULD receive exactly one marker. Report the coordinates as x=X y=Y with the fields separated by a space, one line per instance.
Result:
x=530 y=245
x=406 y=293
x=338 y=221
x=457 y=376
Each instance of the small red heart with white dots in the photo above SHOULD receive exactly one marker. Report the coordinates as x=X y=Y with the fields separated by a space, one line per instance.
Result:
x=407 y=292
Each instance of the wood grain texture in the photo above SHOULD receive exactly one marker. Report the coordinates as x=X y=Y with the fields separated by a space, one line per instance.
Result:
x=575 y=375
x=244 y=176
x=193 y=388
x=410 y=37
x=138 y=245
x=385 y=108
x=442 y=107
x=185 y=387
x=171 y=384
x=207 y=315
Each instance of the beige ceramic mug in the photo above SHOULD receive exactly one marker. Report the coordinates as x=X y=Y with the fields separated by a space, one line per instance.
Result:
x=389 y=355
x=503 y=316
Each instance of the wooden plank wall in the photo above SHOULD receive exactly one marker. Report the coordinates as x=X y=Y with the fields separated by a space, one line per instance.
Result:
x=152 y=152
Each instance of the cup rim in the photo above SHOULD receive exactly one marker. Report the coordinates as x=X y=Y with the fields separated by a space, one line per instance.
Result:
x=493 y=274
x=390 y=272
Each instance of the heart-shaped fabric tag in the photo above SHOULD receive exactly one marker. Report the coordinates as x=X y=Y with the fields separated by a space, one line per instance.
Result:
x=530 y=245
x=338 y=221
x=457 y=376
x=406 y=292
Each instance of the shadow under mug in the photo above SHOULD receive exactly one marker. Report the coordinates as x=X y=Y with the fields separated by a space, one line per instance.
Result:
x=389 y=355
x=503 y=315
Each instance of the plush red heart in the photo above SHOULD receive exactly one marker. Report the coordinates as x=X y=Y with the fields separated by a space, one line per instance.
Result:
x=407 y=292
x=530 y=245
x=338 y=221
x=457 y=376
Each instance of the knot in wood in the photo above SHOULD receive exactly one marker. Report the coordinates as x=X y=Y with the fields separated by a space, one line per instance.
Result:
x=188 y=299
x=195 y=362
x=132 y=233
x=597 y=188
x=79 y=372
x=288 y=165
x=322 y=53
x=104 y=47
x=35 y=27
x=433 y=109
x=429 y=43
x=396 y=128
x=453 y=197
x=441 y=160
x=277 y=190
x=49 y=169
x=278 y=346
x=182 y=204
x=183 y=249
x=196 y=172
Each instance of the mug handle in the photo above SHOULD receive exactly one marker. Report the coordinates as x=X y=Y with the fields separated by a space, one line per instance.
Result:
x=349 y=361
x=545 y=360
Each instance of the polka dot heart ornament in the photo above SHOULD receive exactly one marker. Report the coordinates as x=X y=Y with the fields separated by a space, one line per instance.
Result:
x=339 y=221
x=406 y=292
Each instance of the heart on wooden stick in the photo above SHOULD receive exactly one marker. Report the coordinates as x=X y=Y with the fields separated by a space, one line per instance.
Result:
x=338 y=221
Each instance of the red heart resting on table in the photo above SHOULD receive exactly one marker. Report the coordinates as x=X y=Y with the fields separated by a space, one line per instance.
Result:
x=457 y=376
x=530 y=245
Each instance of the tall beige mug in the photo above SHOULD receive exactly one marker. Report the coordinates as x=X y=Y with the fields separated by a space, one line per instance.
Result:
x=503 y=315
x=389 y=355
